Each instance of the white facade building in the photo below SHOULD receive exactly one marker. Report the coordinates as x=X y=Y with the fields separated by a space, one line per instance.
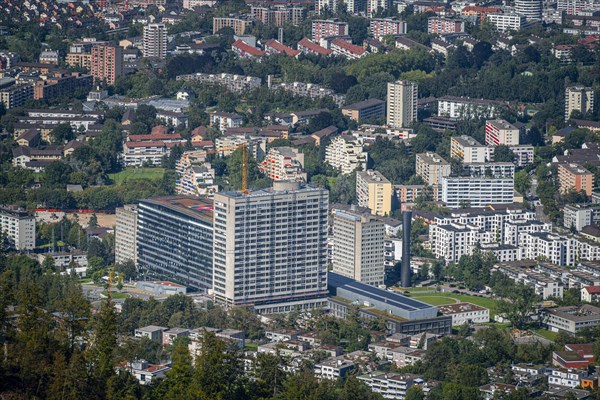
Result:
x=476 y=192
x=125 y=234
x=402 y=103
x=291 y=221
x=18 y=226
x=345 y=154
x=358 y=246
x=155 y=41
x=284 y=164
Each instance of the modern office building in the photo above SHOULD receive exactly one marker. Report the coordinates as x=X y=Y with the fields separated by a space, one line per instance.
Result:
x=18 y=226
x=458 y=192
x=358 y=246
x=499 y=131
x=345 y=154
x=126 y=233
x=374 y=191
x=530 y=9
x=401 y=103
x=578 y=98
x=575 y=177
x=175 y=240
x=432 y=168
x=107 y=63
x=270 y=248
x=155 y=41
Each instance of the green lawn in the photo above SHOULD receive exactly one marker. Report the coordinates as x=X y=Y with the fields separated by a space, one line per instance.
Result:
x=432 y=298
x=251 y=347
x=420 y=289
x=45 y=246
x=136 y=173
x=117 y=295
x=546 y=334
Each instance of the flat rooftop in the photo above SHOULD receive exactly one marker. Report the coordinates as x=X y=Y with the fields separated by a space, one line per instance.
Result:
x=341 y=286
x=194 y=207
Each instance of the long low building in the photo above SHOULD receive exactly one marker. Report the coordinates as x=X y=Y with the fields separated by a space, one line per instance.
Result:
x=402 y=314
x=570 y=319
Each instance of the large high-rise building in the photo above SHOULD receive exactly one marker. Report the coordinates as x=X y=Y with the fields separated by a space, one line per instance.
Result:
x=374 y=191
x=175 y=240
x=358 y=246
x=155 y=41
x=322 y=28
x=578 y=98
x=460 y=191
x=270 y=247
x=107 y=63
x=432 y=168
x=401 y=103
x=125 y=234
x=18 y=226
x=499 y=131
x=530 y=9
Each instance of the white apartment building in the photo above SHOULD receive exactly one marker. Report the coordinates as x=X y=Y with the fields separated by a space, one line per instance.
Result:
x=155 y=41
x=506 y=22
x=459 y=192
x=224 y=120
x=452 y=241
x=358 y=246
x=499 y=131
x=465 y=313
x=402 y=103
x=577 y=217
x=196 y=177
x=126 y=233
x=556 y=249
x=234 y=83
x=374 y=5
x=390 y=385
x=18 y=226
x=334 y=368
x=512 y=230
x=578 y=98
x=432 y=168
x=291 y=221
x=467 y=108
x=523 y=154
x=566 y=377
x=380 y=27
x=544 y=287
x=491 y=169
x=226 y=145
x=374 y=191
x=345 y=154
x=138 y=154
x=284 y=164
x=468 y=150
x=311 y=90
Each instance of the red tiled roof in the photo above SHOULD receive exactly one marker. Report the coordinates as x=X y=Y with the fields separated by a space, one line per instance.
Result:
x=157 y=143
x=348 y=46
x=281 y=48
x=315 y=48
x=593 y=289
x=246 y=48
x=154 y=137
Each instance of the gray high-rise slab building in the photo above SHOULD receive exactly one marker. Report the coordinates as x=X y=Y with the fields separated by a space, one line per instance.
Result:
x=175 y=240
x=270 y=248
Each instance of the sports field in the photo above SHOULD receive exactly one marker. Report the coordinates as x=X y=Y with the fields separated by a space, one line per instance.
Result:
x=136 y=173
